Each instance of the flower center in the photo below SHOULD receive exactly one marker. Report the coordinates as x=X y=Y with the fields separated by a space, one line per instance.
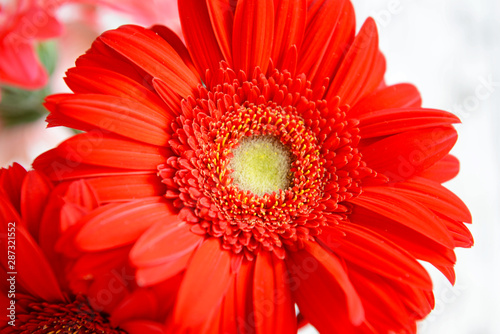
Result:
x=261 y=165
x=73 y=318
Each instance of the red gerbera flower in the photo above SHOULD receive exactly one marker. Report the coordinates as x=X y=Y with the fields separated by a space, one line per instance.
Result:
x=35 y=293
x=267 y=164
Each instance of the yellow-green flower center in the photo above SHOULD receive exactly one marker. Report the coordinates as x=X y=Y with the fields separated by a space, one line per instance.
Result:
x=261 y=165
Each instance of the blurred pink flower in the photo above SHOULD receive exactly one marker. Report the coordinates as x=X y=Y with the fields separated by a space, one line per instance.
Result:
x=22 y=24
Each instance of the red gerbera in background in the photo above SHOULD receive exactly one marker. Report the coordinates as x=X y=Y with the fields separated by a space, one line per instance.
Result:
x=34 y=291
x=267 y=164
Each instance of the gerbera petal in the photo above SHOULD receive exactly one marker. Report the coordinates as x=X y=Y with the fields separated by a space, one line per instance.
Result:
x=322 y=18
x=403 y=155
x=448 y=272
x=141 y=304
x=395 y=96
x=56 y=168
x=102 y=56
x=222 y=15
x=20 y=66
x=195 y=300
x=289 y=27
x=30 y=269
x=415 y=243
x=322 y=289
x=389 y=203
x=273 y=305
x=120 y=224
x=97 y=264
x=392 y=121
x=119 y=115
x=168 y=95
x=174 y=41
x=383 y=306
x=151 y=53
x=443 y=170
x=342 y=38
x=11 y=180
x=243 y=296
x=34 y=196
x=436 y=197
x=461 y=235
x=143 y=326
x=126 y=187
x=110 y=151
x=200 y=38
x=361 y=70
x=148 y=276
x=376 y=253
x=95 y=80
x=252 y=35
x=165 y=241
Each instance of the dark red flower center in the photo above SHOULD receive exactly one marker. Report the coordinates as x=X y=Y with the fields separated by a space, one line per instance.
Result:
x=73 y=318
x=260 y=163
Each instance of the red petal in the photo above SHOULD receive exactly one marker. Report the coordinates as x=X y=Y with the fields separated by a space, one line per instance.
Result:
x=151 y=53
x=30 y=268
x=143 y=326
x=168 y=95
x=391 y=204
x=141 y=304
x=175 y=42
x=403 y=155
x=165 y=241
x=120 y=224
x=57 y=168
x=95 y=80
x=361 y=70
x=252 y=35
x=383 y=305
x=97 y=264
x=273 y=305
x=19 y=65
x=11 y=180
x=122 y=116
x=392 y=121
x=148 y=276
x=111 y=151
x=289 y=27
x=376 y=253
x=420 y=246
x=126 y=187
x=435 y=197
x=200 y=39
x=322 y=39
x=448 y=272
x=443 y=170
x=243 y=298
x=34 y=196
x=205 y=283
x=222 y=15
x=322 y=289
x=342 y=38
x=395 y=96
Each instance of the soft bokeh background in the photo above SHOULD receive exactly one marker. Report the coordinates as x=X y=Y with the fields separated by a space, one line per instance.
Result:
x=450 y=49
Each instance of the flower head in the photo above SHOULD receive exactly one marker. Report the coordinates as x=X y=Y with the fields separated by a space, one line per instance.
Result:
x=266 y=164
x=35 y=292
